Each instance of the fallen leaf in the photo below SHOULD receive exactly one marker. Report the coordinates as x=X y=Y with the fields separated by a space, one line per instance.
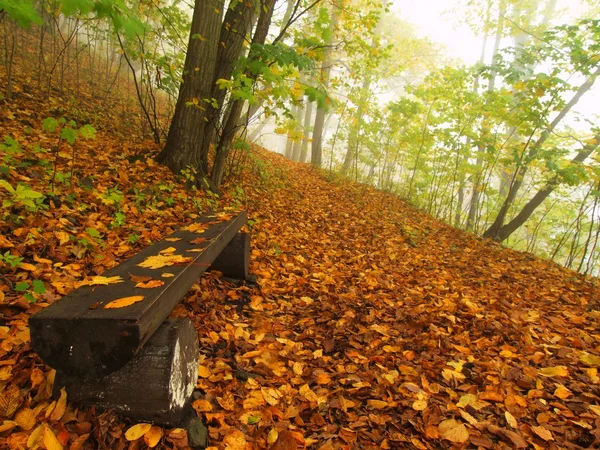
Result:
x=158 y=261
x=150 y=284
x=137 y=431
x=235 y=441
x=153 y=436
x=557 y=371
x=542 y=432
x=49 y=439
x=453 y=431
x=123 y=302
x=101 y=281
x=60 y=407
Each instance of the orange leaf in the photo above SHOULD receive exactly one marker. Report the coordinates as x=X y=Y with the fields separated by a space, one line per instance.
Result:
x=123 y=302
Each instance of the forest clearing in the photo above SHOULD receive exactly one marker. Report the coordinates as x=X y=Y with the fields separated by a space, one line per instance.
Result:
x=373 y=321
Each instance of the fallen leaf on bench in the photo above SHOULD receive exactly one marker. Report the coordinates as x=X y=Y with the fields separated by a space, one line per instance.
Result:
x=167 y=250
x=150 y=284
x=158 y=261
x=196 y=250
x=168 y=275
x=101 y=281
x=172 y=239
x=139 y=278
x=123 y=302
x=199 y=240
x=196 y=227
x=137 y=431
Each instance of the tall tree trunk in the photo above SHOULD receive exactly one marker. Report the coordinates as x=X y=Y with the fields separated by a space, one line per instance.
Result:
x=317 y=142
x=520 y=172
x=506 y=230
x=224 y=146
x=187 y=133
x=307 y=130
x=355 y=128
x=297 y=147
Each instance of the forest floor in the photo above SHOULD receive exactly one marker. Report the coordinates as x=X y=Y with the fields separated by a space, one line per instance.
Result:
x=372 y=326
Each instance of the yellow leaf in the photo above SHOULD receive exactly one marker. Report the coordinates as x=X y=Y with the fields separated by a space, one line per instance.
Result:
x=377 y=404
x=203 y=371
x=589 y=359
x=167 y=275
x=8 y=425
x=123 y=302
x=137 y=431
x=595 y=409
x=28 y=267
x=49 y=439
x=453 y=431
x=235 y=441
x=101 y=281
x=544 y=433
x=272 y=436
x=35 y=437
x=172 y=239
x=557 y=371
x=150 y=284
x=167 y=250
x=510 y=419
x=271 y=395
x=562 y=392
x=158 y=261
x=60 y=407
x=421 y=403
x=202 y=405
x=26 y=419
x=196 y=228
x=153 y=436
x=62 y=237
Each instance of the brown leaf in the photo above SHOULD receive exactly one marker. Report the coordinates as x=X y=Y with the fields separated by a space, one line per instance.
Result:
x=150 y=284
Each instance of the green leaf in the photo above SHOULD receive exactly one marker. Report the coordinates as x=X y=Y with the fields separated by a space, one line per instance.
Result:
x=87 y=132
x=69 y=135
x=21 y=11
x=22 y=286
x=50 y=124
x=29 y=297
x=39 y=287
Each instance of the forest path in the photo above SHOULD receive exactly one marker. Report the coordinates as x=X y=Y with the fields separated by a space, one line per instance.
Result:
x=379 y=327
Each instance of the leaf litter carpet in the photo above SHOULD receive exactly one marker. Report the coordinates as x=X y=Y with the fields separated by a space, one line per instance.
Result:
x=372 y=326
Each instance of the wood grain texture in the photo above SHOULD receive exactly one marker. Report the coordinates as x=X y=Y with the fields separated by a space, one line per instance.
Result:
x=156 y=385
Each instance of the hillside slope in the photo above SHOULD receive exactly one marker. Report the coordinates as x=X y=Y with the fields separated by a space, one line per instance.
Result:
x=373 y=326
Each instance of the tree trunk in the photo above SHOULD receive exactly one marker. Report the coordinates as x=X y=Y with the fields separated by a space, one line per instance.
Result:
x=505 y=231
x=224 y=146
x=355 y=128
x=187 y=134
x=520 y=172
x=317 y=142
x=297 y=147
x=307 y=130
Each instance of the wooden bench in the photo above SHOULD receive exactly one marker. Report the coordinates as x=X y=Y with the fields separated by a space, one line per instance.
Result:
x=110 y=341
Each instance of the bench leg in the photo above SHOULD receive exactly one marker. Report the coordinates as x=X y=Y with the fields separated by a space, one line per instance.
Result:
x=234 y=260
x=156 y=385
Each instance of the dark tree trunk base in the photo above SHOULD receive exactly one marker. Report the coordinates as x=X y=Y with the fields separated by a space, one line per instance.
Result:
x=155 y=386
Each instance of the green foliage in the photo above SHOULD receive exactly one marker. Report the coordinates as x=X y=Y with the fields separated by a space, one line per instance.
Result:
x=21 y=196
x=21 y=11
x=10 y=260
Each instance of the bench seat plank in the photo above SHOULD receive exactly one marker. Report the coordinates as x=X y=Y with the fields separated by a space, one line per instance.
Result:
x=78 y=336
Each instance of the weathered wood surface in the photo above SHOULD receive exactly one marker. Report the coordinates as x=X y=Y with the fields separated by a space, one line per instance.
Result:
x=234 y=260
x=78 y=337
x=156 y=385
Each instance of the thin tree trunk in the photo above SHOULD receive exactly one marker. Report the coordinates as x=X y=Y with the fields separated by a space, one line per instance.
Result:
x=527 y=210
x=519 y=174
x=307 y=130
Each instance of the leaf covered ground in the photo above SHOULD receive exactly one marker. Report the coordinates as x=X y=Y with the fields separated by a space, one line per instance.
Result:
x=372 y=326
